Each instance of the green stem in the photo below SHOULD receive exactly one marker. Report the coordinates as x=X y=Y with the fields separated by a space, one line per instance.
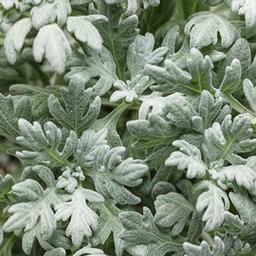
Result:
x=207 y=237
x=106 y=102
x=238 y=106
x=57 y=157
x=180 y=10
x=119 y=70
x=113 y=117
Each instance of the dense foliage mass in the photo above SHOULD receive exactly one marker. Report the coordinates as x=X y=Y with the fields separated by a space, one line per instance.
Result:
x=135 y=125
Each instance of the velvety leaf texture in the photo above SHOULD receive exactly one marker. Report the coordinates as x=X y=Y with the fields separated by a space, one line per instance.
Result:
x=127 y=128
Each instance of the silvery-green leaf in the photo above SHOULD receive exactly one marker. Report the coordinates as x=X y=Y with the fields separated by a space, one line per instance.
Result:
x=87 y=251
x=59 y=239
x=108 y=224
x=222 y=140
x=10 y=112
x=70 y=178
x=208 y=28
x=56 y=252
x=52 y=44
x=153 y=138
x=123 y=92
x=200 y=68
x=170 y=40
x=131 y=90
x=216 y=56
x=232 y=77
x=233 y=224
x=221 y=246
x=83 y=220
x=162 y=187
x=88 y=145
x=80 y=108
x=246 y=8
x=171 y=78
x=43 y=172
x=8 y=4
x=85 y=31
x=218 y=249
x=141 y=231
x=133 y=5
x=245 y=207
x=99 y=66
x=241 y=51
x=240 y=174
x=153 y=3
x=210 y=109
x=15 y=38
x=110 y=122
x=141 y=52
x=44 y=143
x=130 y=172
x=32 y=192
x=250 y=93
x=36 y=210
x=195 y=227
x=172 y=211
x=123 y=33
x=6 y=183
x=38 y=97
x=187 y=158
x=180 y=113
x=111 y=174
x=49 y=12
x=155 y=102
x=213 y=203
x=177 y=54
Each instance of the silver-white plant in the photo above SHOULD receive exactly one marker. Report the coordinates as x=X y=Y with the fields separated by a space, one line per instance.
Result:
x=133 y=125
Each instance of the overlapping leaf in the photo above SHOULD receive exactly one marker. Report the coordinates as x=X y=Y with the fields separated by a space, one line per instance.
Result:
x=52 y=44
x=83 y=220
x=143 y=236
x=172 y=211
x=97 y=66
x=213 y=202
x=231 y=137
x=36 y=210
x=117 y=35
x=204 y=28
x=112 y=174
x=80 y=108
x=49 y=12
x=10 y=112
x=189 y=158
x=44 y=144
x=172 y=78
x=109 y=223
